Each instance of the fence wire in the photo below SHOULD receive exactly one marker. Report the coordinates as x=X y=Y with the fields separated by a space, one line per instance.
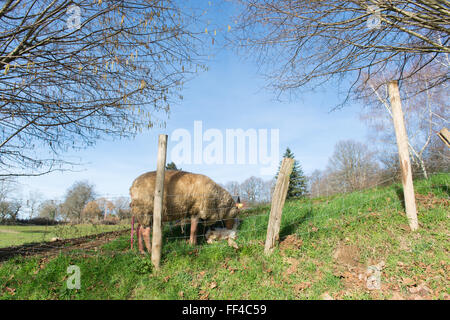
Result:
x=302 y=217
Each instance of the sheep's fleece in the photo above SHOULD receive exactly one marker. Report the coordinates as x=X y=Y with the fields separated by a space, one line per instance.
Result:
x=185 y=195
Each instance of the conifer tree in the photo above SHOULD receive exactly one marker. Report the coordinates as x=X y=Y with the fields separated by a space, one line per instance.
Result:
x=172 y=166
x=297 y=179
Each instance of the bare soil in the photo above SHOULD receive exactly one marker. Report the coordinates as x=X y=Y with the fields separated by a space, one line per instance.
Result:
x=53 y=248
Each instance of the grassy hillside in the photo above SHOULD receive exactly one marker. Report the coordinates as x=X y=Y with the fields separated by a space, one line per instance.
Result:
x=327 y=246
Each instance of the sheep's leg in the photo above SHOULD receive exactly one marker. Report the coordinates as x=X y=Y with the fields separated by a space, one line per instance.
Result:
x=139 y=234
x=132 y=232
x=194 y=224
x=182 y=225
x=146 y=236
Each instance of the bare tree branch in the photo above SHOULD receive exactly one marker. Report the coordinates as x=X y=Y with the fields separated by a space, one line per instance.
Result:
x=64 y=85
x=304 y=44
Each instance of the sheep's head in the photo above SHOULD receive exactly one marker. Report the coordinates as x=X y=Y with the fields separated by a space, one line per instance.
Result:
x=239 y=204
x=235 y=210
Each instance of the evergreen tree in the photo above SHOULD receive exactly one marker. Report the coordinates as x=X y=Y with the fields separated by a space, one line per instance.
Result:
x=297 y=179
x=172 y=166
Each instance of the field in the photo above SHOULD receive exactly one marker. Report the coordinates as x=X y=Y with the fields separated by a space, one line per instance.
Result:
x=18 y=235
x=328 y=247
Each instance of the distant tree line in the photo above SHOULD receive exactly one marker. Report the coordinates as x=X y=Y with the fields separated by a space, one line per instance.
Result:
x=354 y=166
x=255 y=190
x=80 y=204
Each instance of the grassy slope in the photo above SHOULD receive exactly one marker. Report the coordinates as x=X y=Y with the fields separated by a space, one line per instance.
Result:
x=331 y=242
x=18 y=235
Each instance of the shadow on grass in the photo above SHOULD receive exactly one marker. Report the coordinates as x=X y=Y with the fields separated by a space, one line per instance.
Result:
x=441 y=190
x=400 y=196
x=436 y=190
x=293 y=226
x=174 y=232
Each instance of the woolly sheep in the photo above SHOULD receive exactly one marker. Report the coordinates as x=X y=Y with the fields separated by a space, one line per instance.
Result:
x=186 y=196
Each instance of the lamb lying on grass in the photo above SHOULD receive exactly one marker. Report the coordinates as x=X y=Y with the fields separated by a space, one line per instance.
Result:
x=223 y=234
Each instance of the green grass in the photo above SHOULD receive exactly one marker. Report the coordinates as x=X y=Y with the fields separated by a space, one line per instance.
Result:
x=18 y=235
x=370 y=225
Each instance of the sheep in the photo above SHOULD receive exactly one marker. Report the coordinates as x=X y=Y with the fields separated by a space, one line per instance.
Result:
x=186 y=196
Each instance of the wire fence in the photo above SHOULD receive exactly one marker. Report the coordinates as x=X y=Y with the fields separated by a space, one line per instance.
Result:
x=301 y=217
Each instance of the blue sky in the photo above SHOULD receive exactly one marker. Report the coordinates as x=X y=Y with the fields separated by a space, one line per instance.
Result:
x=230 y=95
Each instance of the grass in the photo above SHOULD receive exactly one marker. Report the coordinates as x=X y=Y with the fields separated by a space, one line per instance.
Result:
x=327 y=245
x=17 y=235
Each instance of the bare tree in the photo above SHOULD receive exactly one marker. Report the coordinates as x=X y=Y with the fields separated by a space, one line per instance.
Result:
x=106 y=205
x=92 y=211
x=252 y=188
x=233 y=187
x=316 y=182
x=9 y=210
x=50 y=209
x=10 y=206
x=437 y=157
x=77 y=197
x=301 y=43
x=8 y=187
x=74 y=72
x=267 y=190
x=352 y=167
x=33 y=202
x=426 y=109
x=122 y=207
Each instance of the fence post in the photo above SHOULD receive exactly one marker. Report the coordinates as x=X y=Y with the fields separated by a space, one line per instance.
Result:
x=444 y=134
x=158 y=201
x=403 y=154
x=278 y=199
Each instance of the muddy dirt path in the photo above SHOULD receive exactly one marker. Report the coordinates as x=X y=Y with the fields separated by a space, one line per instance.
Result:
x=53 y=248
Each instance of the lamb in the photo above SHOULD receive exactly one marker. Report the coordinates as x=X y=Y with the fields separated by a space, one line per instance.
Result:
x=186 y=196
x=223 y=234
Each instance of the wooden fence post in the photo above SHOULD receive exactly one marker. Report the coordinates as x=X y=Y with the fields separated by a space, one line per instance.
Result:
x=278 y=199
x=158 y=201
x=403 y=154
x=444 y=134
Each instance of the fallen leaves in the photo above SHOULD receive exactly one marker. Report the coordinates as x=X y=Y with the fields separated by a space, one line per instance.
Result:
x=408 y=282
x=421 y=289
x=204 y=295
x=291 y=242
x=298 y=287
x=292 y=268
x=347 y=255
x=11 y=291
x=193 y=252
x=231 y=269
x=430 y=201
